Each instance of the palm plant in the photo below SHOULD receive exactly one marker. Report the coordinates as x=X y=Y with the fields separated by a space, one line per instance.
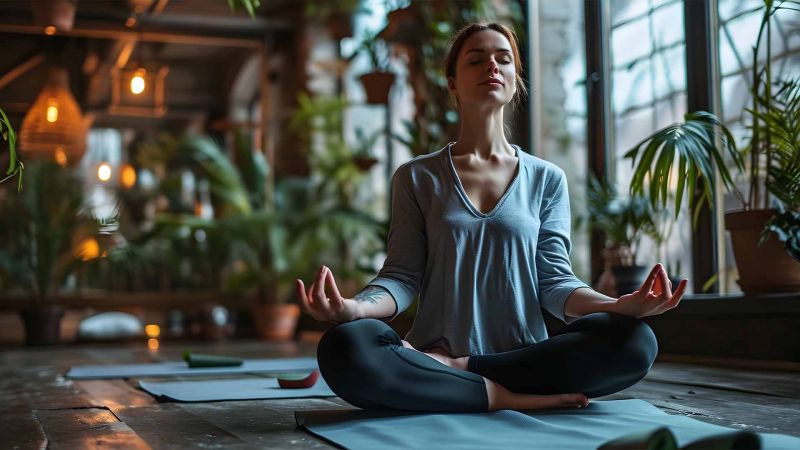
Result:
x=625 y=221
x=15 y=166
x=46 y=232
x=333 y=228
x=693 y=143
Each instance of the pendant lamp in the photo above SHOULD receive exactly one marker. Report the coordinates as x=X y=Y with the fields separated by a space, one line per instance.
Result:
x=54 y=128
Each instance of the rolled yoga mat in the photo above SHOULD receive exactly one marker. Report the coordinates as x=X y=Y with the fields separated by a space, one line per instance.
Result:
x=231 y=389
x=171 y=369
x=580 y=429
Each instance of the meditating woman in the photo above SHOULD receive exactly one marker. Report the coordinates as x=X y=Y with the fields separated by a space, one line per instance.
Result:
x=480 y=230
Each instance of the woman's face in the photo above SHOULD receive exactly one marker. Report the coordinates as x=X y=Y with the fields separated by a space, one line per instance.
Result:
x=485 y=73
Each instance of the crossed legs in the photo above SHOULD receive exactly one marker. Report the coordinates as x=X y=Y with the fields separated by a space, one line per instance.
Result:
x=366 y=363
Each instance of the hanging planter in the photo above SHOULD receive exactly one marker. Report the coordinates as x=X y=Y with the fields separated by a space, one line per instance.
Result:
x=377 y=86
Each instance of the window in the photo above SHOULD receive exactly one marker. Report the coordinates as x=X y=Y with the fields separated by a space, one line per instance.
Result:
x=739 y=22
x=648 y=92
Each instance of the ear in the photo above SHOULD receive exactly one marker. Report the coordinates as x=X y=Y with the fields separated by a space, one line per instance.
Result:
x=451 y=83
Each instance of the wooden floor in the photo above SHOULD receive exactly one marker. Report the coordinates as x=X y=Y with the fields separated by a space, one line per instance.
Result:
x=41 y=408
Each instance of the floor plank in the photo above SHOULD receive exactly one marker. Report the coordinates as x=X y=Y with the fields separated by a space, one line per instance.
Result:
x=168 y=426
x=266 y=424
x=87 y=428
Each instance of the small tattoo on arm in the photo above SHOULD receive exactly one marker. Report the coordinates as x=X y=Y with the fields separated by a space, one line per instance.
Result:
x=371 y=294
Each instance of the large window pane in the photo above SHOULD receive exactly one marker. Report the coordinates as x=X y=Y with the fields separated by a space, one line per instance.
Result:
x=649 y=92
x=739 y=22
x=563 y=97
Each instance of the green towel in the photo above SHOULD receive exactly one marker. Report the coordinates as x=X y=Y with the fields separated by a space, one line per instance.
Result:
x=654 y=439
x=201 y=360
x=662 y=439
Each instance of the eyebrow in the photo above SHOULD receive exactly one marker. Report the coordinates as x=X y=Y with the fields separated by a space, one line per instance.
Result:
x=479 y=50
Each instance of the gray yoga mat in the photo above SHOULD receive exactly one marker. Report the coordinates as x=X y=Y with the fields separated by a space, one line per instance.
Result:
x=579 y=429
x=171 y=369
x=231 y=389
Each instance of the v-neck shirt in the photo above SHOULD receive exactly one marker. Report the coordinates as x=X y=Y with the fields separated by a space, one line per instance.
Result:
x=463 y=192
x=482 y=279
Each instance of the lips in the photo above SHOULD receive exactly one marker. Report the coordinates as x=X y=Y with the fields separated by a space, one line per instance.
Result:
x=492 y=81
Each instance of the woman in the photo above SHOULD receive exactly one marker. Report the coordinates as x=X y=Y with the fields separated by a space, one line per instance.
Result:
x=480 y=230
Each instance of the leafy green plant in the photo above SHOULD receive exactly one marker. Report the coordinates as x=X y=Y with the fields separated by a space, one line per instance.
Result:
x=376 y=49
x=334 y=227
x=624 y=220
x=248 y=5
x=15 y=166
x=775 y=129
x=46 y=232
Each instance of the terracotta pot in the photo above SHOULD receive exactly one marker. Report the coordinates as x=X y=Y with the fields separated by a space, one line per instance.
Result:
x=377 y=85
x=762 y=269
x=56 y=13
x=276 y=322
x=42 y=324
x=364 y=163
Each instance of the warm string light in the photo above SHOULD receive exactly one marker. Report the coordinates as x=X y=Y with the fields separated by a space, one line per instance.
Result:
x=104 y=172
x=137 y=81
x=152 y=330
x=152 y=344
x=61 y=157
x=50 y=30
x=127 y=176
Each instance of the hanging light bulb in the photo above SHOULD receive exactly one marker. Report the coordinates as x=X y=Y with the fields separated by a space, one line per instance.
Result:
x=52 y=110
x=54 y=122
x=104 y=171
x=137 y=81
x=127 y=176
x=61 y=157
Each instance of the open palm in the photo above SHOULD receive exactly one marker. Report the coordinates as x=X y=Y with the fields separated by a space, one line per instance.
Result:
x=654 y=296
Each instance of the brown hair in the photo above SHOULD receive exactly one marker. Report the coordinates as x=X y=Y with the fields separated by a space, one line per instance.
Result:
x=461 y=36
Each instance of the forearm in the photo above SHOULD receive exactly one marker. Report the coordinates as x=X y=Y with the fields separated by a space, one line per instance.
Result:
x=375 y=301
x=583 y=301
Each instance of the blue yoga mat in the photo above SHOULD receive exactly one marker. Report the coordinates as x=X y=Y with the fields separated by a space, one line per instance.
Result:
x=231 y=389
x=171 y=369
x=579 y=429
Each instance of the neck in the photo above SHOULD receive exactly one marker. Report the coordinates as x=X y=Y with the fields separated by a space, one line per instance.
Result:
x=482 y=134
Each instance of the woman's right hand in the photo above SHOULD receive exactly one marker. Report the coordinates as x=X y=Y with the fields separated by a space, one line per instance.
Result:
x=317 y=304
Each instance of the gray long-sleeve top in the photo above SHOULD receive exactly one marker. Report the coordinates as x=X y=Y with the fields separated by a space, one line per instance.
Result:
x=482 y=279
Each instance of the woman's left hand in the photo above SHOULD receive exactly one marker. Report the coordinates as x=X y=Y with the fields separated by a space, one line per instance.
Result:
x=654 y=296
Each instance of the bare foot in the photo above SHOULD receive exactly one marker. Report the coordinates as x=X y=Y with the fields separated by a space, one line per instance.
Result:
x=502 y=398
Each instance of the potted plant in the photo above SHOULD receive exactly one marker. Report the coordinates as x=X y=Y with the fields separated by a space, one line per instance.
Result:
x=335 y=227
x=379 y=81
x=15 y=166
x=362 y=153
x=46 y=236
x=337 y=15
x=764 y=265
x=624 y=221
x=245 y=229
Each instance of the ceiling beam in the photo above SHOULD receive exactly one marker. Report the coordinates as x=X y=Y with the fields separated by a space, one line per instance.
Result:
x=16 y=72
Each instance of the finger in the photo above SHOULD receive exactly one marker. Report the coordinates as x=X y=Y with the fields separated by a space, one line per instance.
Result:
x=301 y=293
x=336 y=297
x=651 y=278
x=676 y=296
x=667 y=291
x=319 y=286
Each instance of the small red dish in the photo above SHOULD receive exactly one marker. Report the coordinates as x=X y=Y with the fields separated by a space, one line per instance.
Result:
x=298 y=380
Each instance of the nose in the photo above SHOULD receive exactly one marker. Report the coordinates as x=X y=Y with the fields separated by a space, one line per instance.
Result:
x=493 y=68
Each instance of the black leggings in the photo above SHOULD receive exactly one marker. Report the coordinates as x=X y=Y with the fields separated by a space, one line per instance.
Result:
x=364 y=362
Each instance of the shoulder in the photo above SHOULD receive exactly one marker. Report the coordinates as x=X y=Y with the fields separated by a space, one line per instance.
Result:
x=419 y=166
x=548 y=172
